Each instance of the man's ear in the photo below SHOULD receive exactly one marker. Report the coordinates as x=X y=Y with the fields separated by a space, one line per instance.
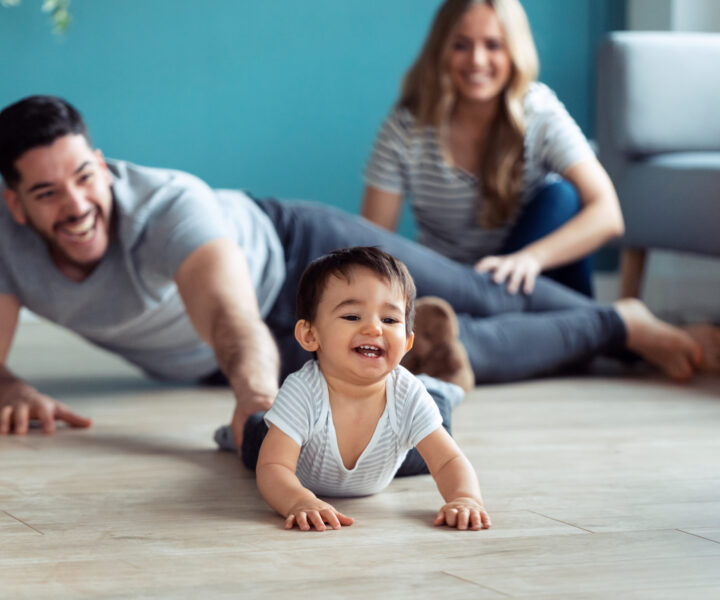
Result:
x=409 y=342
x=103 y=165
x=14 y=206
x=305 y=335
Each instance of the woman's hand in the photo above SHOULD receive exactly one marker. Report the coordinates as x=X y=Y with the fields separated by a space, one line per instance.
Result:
x=463 y=513
x=519 y=269
x=307 y=515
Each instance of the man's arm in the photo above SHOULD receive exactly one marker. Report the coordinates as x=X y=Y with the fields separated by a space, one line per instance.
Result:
x=215 y=285
x=19 y=401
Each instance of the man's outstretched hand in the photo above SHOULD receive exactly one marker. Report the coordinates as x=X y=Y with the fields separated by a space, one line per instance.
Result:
x=20 y=403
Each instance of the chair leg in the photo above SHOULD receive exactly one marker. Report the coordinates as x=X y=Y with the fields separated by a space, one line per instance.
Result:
x=632 y=265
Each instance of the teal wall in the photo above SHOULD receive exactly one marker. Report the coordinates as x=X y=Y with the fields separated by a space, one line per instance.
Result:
x=281 y=97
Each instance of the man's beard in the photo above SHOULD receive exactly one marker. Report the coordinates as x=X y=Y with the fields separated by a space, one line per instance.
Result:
x=58 y=253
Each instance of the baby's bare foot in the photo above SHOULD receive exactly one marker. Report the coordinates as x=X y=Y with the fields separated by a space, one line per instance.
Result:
x=670 y=348
x=708 y=336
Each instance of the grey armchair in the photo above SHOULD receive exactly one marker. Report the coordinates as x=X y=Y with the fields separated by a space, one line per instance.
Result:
x=658 y=133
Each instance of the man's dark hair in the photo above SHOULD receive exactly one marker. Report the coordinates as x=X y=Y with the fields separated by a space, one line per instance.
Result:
x=341 y=263
x=32 y=122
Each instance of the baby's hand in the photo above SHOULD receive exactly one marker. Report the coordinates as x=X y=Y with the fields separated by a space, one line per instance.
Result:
x=463 y=513
x=307 y=515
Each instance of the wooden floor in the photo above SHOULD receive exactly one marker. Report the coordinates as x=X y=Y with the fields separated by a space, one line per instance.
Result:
x=603 y=486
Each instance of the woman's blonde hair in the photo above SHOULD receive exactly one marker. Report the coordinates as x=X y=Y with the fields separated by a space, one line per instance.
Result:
x=428 y=94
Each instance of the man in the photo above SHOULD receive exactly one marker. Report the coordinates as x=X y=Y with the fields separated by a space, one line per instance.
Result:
x=128 y=258
x=191 y=283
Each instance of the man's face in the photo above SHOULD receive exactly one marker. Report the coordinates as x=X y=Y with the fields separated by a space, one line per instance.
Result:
x=64 y=195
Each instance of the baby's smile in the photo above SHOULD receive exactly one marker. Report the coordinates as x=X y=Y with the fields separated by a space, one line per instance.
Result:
x=370 y=351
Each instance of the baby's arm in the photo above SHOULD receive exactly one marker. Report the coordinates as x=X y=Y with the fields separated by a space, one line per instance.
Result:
x=283 y=491
x=456 y=480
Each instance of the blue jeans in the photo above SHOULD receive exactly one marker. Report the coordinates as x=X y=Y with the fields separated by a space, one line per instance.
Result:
x=507 y=336
x=550 y=208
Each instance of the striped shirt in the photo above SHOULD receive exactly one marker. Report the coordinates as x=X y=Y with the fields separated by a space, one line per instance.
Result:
x=302 y=411
x=407 y=159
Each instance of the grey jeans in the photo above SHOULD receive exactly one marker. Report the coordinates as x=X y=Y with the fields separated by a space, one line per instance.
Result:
x=507 y=337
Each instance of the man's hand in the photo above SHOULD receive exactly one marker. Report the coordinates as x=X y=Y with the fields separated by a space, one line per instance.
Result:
x=519 y=269
x=243 y=409
x=20 y=402
x=463 y=513
x=307 y=515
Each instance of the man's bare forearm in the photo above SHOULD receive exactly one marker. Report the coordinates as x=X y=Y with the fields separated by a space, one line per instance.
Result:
x=215 y=285
x=246 y=354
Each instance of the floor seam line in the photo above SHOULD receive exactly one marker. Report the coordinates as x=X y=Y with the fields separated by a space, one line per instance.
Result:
x=23 y=522
x=560 y=521
x=487 y=587
x=697 y=536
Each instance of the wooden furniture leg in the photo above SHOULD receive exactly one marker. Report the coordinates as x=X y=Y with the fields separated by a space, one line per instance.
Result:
x=632 y=265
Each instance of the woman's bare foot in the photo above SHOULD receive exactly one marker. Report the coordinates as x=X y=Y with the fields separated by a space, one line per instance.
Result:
x=708 y=336
x=676 y=351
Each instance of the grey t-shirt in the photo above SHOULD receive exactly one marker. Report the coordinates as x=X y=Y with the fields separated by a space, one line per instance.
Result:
x=130 y=304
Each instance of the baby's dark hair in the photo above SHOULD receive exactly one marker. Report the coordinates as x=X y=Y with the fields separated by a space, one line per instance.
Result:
x=341 y=263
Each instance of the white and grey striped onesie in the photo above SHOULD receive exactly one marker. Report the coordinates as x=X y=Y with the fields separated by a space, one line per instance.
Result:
x=302 y=411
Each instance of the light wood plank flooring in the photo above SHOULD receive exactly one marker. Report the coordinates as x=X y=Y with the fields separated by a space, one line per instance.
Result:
x=599 y=486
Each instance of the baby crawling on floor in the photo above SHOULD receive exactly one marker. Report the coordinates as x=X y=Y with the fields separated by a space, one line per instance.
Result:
x=343 y=424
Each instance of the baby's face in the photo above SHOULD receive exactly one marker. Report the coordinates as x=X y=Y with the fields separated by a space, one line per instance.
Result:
x=359 y=327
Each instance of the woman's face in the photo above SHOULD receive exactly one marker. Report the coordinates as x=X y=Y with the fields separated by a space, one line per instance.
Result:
x=479 y=63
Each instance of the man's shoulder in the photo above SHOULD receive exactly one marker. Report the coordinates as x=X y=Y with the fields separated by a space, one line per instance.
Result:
x=17 y=241
x=148 y=196
x=6 y=219
x=135 y=185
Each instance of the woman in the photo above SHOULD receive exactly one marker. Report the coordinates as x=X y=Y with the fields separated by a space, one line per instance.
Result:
x=480 y=146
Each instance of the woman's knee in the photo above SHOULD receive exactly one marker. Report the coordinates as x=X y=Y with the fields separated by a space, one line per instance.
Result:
x=551 y=207
x=556 y=203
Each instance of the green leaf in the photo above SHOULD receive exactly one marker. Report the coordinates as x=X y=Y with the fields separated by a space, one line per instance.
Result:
x=61 y=18
x=59 y=12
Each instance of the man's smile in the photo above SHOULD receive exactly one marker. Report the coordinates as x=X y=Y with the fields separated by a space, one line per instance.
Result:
x=79 y=229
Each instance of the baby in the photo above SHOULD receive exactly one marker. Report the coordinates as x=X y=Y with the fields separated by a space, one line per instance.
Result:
x=343 y=424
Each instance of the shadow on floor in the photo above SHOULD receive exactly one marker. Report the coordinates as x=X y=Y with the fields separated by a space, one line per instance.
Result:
x=82 y=386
